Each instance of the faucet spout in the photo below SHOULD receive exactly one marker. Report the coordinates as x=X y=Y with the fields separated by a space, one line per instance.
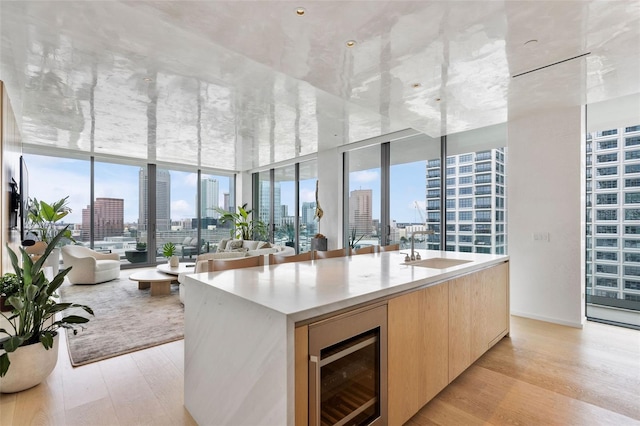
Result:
x=426 y=232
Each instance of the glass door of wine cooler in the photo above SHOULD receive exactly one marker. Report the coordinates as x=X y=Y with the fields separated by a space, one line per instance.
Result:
x=347 y=369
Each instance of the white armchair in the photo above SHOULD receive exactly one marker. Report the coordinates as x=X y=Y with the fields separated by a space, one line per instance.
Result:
x=89 y=266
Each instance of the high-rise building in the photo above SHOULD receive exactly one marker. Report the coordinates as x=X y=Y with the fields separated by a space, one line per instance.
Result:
x=226 y=201
x=209 y=199
x=475 y=202
x=613 y=217
x=264 y=205
x=307 y=221
x=163 y=200
x=108 y=219
x=360 y=215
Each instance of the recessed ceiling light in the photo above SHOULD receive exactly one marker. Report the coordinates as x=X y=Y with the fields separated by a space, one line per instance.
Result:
x=351 y=43
x=530 y=42
x=416 y=85
x=147 y=79
x=300 y=11
x=438 y=99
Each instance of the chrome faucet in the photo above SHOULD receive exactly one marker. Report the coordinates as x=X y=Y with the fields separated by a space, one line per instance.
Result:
x=416 y=256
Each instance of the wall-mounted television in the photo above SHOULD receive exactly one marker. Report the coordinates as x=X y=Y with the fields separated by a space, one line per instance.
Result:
x=24 y=197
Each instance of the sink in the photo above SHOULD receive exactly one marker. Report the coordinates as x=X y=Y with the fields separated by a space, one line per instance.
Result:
x=437 y=263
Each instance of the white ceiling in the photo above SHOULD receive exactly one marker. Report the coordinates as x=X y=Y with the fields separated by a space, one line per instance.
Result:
x=237 y=85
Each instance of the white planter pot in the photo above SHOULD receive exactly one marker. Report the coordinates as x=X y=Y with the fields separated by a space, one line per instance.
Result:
x=30 y=366
x=53 y=261
x=174 y=261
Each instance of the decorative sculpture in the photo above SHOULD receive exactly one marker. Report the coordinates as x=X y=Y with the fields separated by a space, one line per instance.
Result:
x=318 y=214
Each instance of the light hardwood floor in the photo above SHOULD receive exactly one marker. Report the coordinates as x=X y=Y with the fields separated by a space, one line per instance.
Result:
x=544 y=374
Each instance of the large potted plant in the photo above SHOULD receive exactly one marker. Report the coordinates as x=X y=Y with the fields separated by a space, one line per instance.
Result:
x=30 y=340
x=243 y=227
x=42 y=220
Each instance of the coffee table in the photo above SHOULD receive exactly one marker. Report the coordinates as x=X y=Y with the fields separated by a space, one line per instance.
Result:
x=177 y=270
x=160 y=283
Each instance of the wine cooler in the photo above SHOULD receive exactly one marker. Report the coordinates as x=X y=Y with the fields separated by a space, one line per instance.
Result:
x=348 y=369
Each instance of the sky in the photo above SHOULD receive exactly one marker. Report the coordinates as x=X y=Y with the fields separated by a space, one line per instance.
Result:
x=51 y=178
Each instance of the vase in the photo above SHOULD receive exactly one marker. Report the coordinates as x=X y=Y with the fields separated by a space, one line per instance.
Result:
x=174 y=261
x=30 y=366
x=319 y=244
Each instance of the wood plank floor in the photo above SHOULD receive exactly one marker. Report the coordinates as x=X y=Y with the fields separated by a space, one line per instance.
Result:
x=544 y=374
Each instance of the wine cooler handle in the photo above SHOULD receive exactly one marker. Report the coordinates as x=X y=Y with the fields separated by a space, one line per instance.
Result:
x=316 y=400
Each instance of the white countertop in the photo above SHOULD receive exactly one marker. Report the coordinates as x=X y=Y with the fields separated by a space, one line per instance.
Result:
x=303 y=290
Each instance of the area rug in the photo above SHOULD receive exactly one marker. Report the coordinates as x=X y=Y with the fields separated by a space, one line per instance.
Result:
x=126 y=319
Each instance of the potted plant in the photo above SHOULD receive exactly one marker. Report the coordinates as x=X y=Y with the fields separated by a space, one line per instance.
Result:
x=8 y=287
x=243 y=227
x=42 y=219
x=141 y=246
x=319 y=242
x=33 y=337
x=169 y=251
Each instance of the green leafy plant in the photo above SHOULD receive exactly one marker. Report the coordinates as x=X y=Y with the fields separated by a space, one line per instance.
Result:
x=352 y=238
x=243 y=227
x=140 y=246
x=169 y=249
x=32 y=317
x=42 y=218
x=9 y=285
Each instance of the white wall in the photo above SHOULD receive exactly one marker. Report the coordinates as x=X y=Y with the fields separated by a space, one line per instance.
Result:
x=545 y=191
x=330 y=196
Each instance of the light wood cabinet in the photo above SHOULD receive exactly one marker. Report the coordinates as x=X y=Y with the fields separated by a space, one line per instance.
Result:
x=489 y=308
x=460 y=325
x=417 y=350
x=478 y=315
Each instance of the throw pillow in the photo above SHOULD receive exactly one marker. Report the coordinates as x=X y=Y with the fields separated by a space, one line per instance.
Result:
x=250 y=244
x=233 y=245
x=265 y=245
x=222 y=245
x=186 y=241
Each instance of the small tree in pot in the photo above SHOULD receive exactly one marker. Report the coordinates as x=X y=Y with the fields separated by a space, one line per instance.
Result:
x=32 y=317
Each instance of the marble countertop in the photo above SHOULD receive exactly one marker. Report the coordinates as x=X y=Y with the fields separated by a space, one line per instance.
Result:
x=304 y=290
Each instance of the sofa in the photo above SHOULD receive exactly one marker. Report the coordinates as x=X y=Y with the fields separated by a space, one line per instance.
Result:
x=253 y=248
x=89 y=266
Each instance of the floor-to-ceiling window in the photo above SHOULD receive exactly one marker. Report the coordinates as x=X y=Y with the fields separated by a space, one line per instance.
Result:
x=613 y=215
x=120 y=224
x=216 y=192
x=54 y=178
x=284 y=205
x=309 y=225
x=476 y=179
x=117 y=219
x=364 y=197
x=286 y=198
x=414 y=191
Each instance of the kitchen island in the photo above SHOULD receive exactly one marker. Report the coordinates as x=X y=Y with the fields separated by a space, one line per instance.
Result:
x=242 y=326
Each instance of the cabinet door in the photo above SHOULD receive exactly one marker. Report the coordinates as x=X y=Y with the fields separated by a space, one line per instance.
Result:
x=460 y=324
x=489 y=308
x=417 y=350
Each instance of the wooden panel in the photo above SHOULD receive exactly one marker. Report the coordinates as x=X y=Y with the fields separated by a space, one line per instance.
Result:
x=460 y=325
x=489 y=308
x=302 y=375
x=417 y=350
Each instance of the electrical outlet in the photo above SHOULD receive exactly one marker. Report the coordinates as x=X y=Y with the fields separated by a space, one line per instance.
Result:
x=541 y=236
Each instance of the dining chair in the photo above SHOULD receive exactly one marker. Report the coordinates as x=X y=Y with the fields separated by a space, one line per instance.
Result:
x=275 y=259
x=211 y=265
x=319 y=254
x=363 y=250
